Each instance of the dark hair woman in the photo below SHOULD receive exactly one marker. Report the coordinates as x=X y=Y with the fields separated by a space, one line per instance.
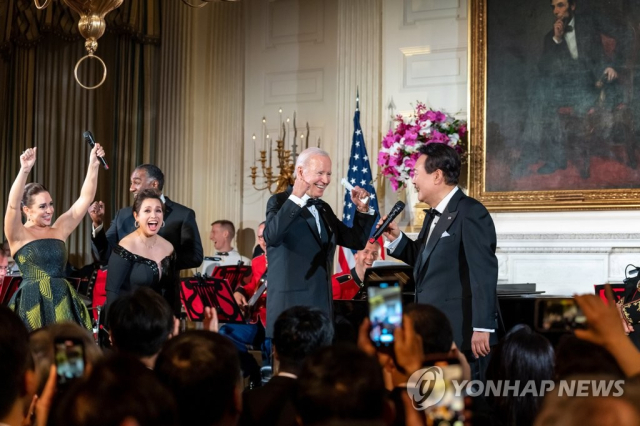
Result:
x=44 y=296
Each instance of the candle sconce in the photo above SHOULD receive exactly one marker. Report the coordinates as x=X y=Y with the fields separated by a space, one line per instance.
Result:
x=286 y=159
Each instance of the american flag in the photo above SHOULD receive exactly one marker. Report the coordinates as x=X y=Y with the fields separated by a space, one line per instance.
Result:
x=359 y=175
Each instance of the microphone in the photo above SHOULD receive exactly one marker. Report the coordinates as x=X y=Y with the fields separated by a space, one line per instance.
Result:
x=88 y=137
x=395 y=211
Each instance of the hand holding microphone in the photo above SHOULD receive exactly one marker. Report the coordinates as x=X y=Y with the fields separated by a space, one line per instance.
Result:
x=88 y=137
x=386 y=226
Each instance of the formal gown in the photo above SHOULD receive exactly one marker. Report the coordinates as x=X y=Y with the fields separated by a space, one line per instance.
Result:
x=128 y=271
x=44 y=296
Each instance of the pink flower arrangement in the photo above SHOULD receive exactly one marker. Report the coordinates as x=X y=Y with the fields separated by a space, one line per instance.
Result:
x=399 y=151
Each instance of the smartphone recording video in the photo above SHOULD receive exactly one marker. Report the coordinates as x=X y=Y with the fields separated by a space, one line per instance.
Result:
x=69 y=358
x=450 y=409
x=385 y=310
x=558 y=315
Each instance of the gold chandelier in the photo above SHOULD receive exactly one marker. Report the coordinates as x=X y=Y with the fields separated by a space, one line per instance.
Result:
x=204 y=3
x=91 y=26
x=285 y=158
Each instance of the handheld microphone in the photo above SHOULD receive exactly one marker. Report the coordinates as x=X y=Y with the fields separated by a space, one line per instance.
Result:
x=88 y=137
x=395 y=211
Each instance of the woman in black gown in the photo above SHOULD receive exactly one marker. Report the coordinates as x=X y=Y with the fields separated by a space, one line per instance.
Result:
x=143 y=258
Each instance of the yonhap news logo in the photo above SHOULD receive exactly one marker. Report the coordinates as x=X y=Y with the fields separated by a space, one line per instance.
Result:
x=428 y=386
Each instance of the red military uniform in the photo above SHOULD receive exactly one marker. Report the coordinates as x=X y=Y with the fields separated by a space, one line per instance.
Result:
x=346 y=286
x=258 y=270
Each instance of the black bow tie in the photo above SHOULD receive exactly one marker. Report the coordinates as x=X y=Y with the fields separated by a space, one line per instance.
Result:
x=568 y=28
x=314 y=202
x=432 y=212
x=222 y=253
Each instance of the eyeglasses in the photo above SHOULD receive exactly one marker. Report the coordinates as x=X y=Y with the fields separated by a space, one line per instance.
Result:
x=260 y=237
x=6 y=269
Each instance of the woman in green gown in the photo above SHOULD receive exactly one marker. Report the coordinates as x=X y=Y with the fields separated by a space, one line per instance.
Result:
x=38 y=247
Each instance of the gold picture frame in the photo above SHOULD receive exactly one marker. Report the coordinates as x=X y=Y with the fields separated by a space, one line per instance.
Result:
x=485 y=186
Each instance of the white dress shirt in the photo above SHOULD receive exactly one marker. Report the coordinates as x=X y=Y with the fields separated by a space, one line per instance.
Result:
x=570 y=39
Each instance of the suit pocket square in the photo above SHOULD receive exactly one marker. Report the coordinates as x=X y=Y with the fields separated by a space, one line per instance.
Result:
x=445 y=234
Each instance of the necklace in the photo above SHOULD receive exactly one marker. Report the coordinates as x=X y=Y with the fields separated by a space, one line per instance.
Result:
x=150 y=247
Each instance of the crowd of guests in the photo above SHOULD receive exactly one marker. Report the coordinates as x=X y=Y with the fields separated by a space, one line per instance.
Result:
x=156 y=375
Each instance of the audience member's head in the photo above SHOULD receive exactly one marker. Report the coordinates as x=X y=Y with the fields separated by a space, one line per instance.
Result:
x=4 y=265
x=298 y=332
x=594 y=407
x=202 y=369
x=119 y=391
x=525 y=356
x=139 y=324
x=17 y=379
x=577 y=356
x=41 y=342
x=222 y=234
x=340 y=382
x=433 y=326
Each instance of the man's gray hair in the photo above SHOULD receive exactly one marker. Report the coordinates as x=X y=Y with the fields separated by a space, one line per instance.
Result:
x=305 y=156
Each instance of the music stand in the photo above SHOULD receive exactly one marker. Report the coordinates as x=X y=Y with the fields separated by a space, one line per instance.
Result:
x=9 y=286
x=234 y=274
x=400 y=272
x=196 y=293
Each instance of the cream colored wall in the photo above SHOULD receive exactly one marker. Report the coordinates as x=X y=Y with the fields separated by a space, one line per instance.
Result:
x=291 y=63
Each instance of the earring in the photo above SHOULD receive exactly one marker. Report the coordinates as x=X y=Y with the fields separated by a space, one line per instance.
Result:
x=162 y=224
x=136 y=224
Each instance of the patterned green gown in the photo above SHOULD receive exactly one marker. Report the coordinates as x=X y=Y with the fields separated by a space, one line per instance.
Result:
x=44 y=296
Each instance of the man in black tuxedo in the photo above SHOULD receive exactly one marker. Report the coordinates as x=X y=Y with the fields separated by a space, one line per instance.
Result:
x=574 y=69
x=455 y=267
x=180 y=226
x=301 y=235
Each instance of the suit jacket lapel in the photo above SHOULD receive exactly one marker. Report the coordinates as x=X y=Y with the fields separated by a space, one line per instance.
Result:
x=168 y=207
x=444 y=222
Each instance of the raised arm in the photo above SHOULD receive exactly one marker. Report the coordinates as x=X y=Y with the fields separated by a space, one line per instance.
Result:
x=13 y=228
x=71 y=219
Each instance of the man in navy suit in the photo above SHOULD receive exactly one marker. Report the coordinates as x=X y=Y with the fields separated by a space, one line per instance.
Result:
x=180 y=226
x=301 y=235
x=455 y=267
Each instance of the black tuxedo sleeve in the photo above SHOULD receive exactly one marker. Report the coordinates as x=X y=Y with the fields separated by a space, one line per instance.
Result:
x=355 y=237
x=104 y=242
x=280 y=215
x=190 y=251
x=407 y=250
x=479 y=241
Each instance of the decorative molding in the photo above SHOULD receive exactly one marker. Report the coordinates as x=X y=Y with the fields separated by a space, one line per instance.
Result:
x=294 y=86
x=294 y=21
x=429 y=10
x=424 y=67
x=549 y=237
